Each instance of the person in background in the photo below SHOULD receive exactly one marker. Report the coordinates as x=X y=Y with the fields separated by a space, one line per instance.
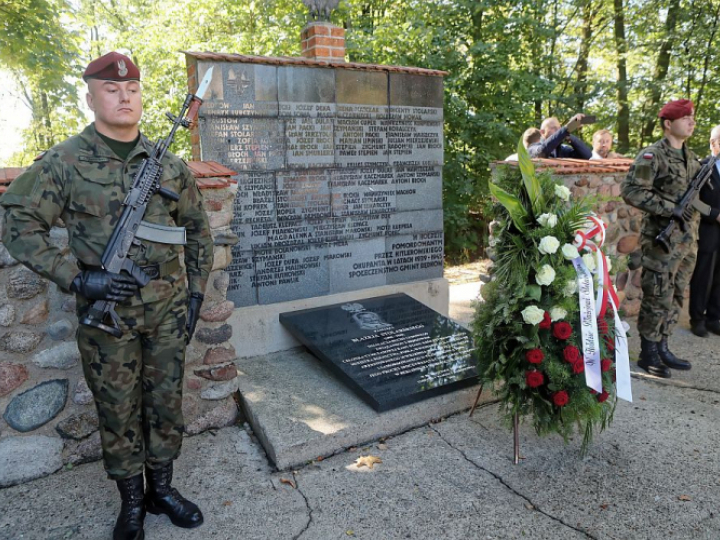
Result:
x=553 y=135
x=705 y=282
x=530 y=136
x=602 y=145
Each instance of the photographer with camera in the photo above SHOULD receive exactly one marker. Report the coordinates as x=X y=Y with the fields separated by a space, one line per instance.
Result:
x=553 y=135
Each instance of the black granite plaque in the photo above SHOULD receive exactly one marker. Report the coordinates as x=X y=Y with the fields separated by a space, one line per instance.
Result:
x=292 y=272
x=303 y=195
x=254 y=199
x=306 y=91
x=360 y=141
x=240 y=90
x=241 y=290
x=418 y=187
x=309 y=142
x=361 y=94
x=390 y=350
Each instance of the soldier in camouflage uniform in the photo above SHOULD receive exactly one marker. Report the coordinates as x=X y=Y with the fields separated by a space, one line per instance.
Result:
x=136 y=379
x=655 y=184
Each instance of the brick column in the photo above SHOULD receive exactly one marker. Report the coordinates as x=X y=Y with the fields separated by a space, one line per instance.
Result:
x=323 y=41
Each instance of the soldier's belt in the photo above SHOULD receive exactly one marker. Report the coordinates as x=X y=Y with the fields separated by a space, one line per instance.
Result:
x=153 y=270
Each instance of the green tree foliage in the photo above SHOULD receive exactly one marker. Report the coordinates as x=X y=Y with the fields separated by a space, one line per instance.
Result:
x=510 y=64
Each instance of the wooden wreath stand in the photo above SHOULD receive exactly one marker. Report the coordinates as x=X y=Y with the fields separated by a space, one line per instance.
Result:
x=516 y=427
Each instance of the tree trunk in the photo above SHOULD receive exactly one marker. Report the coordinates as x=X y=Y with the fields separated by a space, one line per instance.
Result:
x=661 y=70
x=623 y=114
x=583 y=55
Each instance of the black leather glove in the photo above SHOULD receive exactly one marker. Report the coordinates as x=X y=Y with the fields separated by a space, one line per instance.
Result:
x=196 y=300
x=683 y=216
x=102 y=285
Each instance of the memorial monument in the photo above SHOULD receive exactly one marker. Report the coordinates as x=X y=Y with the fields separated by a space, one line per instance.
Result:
x=339 y=185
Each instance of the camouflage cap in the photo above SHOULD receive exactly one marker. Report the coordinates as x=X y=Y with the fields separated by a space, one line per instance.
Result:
x=112 y=66
x=678 y=108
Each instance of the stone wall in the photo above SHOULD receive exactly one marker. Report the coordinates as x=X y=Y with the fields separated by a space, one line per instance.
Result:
x=47 y=409
x=602 y=180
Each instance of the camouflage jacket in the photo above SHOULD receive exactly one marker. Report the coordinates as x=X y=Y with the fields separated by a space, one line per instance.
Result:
x=82 y=182
x=656 y=182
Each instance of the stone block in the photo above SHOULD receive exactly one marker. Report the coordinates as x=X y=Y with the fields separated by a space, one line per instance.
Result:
x=24 y=284
x=219 y=355
x=36 y=406
x=63 y=356
x=217 y=372
x=21 y=342
x=78 y=426
x=26 y=458
x=11 y=376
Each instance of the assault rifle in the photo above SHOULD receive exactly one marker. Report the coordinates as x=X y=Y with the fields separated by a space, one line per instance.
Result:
x=683 y=210
x=130 y=229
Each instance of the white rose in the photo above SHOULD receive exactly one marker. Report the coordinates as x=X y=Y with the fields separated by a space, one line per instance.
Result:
x=547 y=220
x=548 y=245
x=562 y=192
x=570 y=252
x=570 y=288
x=533 y=315
x=557 y=313
x=546 y=275
x=589 y=260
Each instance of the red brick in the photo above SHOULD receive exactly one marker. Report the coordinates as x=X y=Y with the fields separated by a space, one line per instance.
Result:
x=337 y=53
x=318 y=30
x=336 y=31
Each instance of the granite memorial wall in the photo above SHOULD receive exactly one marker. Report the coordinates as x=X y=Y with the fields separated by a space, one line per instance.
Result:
x=340 y=176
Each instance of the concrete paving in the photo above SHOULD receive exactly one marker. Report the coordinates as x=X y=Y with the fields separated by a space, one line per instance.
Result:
x=654 y=474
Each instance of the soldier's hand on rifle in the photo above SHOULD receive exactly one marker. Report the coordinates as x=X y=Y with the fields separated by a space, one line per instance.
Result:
x=196 y=300
x=683 y=216
x=102 y=285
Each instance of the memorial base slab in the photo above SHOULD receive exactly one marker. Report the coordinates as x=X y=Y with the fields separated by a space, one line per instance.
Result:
x=300 y=411
x=257 y=329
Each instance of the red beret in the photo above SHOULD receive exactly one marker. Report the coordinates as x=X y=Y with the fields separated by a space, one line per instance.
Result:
x=679 y=108
x=112 y=66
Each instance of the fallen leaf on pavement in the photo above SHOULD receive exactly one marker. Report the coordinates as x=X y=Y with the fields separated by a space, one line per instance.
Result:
x=382 y=446
x=288 y=482
x=227 y=503
x=684 y=498
x=367 y=461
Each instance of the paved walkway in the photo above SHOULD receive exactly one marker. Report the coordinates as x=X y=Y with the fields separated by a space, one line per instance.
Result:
x=654 y=474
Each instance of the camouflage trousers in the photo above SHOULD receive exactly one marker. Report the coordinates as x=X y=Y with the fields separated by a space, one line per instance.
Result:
x=136 y=380
x=665 y=276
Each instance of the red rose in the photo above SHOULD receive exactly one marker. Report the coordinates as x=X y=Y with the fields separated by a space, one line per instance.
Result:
x=562 y=330
x=578 y=367
x=534 y=379
x=571 y=354
x=534 y=356
x=602 y=397
x=610 y=343
x=605 y=364
x=560 y=398
x=546 y=322
x=602 y=327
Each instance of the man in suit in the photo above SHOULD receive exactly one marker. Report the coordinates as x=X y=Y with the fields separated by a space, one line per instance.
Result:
x=705 y=282
x=553 y=135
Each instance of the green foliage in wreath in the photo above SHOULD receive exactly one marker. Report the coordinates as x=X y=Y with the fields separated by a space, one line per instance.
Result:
x=527 y=330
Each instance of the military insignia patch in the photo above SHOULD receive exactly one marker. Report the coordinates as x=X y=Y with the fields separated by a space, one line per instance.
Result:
x=40 y=156
x=648 y=156
x=122 y=68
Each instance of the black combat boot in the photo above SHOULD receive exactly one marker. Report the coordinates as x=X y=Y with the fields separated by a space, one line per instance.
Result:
x=129 y=524
x=669 y=359
x=650 y=359
x=162 y=498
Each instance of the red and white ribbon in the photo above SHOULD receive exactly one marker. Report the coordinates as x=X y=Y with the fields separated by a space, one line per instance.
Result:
x=606 y=295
